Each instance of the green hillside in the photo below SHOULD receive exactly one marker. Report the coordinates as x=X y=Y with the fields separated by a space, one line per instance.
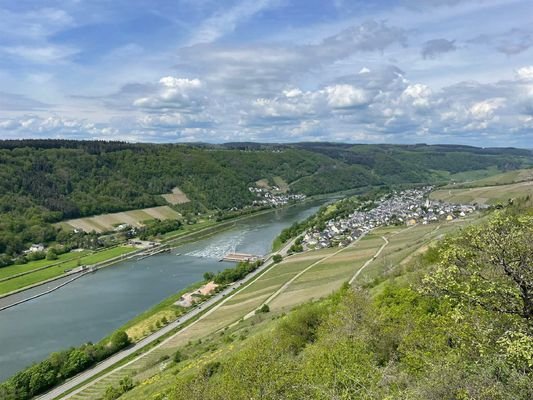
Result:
x=46 y=181
x=438 y=311
x=452 y=322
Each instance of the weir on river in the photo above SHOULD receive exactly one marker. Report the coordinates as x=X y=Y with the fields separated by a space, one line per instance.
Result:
x=91 y=307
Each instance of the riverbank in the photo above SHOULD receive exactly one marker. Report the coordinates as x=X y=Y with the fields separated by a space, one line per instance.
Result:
x=101 y=303
x=55 y=272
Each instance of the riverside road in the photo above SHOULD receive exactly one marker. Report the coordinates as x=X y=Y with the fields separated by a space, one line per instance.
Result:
x=215 y=302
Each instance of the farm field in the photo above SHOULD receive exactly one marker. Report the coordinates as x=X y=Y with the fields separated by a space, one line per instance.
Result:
x=106 y=222
x=330 y=269
x=280 y=182
x=58 y=270
x=506 y=178
x=176 y=197
x=488 y=195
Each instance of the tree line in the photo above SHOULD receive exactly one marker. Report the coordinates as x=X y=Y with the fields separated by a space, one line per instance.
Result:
x=60 y=366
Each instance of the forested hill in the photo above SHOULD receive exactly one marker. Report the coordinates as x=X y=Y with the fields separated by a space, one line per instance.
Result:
x=45 y=181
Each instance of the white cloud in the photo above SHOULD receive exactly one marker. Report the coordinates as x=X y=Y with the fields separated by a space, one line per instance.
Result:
x=265 y=69
x=485 y=109
x=175 y=93
x=35 y=126
x=36 y=24
x=345 y=96
x=27 y=35
x=46 y=54
x=525 y=73
x=227 y=21
x=417 y=94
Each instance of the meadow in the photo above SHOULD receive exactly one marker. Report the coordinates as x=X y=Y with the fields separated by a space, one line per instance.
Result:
x=56 y=270
x=488 y=195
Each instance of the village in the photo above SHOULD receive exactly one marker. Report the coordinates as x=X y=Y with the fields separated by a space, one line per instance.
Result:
x=274 y=197
x=408 y=207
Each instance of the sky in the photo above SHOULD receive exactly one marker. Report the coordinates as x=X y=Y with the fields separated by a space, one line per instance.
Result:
x=387 y=71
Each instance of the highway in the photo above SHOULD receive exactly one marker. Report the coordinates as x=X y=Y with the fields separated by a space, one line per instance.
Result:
x=212 y=304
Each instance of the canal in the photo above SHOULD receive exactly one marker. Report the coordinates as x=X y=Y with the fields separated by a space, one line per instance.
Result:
x=91 y=307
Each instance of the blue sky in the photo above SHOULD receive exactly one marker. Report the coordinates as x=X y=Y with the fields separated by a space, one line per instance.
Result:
x=395 y=71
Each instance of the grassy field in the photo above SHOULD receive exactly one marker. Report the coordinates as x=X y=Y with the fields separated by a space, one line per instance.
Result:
x=468 y=176
x=505 y=178
x=106 y=222
x=176 y=197
x=58 y=270
x=32 y=265
x=280 y=182
x=484 y=195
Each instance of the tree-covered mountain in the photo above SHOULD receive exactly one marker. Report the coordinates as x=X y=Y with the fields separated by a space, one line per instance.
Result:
x=46 y=181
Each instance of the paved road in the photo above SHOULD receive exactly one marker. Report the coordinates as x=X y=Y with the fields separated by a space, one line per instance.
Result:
x=219 y=298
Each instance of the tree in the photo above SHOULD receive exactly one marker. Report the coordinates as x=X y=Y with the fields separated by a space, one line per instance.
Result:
x=178 y=357
x=51 y=254
x=208 y=276
x=126 y=384
x=263 y=309
x=77 y=361
x=489 y=265
x=277 y=258
x=112 y=393
x=119 y=340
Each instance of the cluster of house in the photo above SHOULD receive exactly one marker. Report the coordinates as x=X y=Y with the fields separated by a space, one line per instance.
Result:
x=407 y=207
x=272 y=197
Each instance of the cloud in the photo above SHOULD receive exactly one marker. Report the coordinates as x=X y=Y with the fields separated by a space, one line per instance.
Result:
x=525 y=73
x=511 y=42
x=417 y=4
x=18 y=102
x=369 y=36
x=173 y=121
x=378 y=104
x=34 y=126
x=345 y=96
x=47 y=54
x=388 y=106
x=514 y=42
x=418 y=95
x=182 y=94
x=264 y=69
x=27 y=35
x=227 y=21
x=436 y=47
x=35 y=24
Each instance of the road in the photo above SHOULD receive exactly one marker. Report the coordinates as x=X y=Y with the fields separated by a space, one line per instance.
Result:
x=215 y=302
x=354 y=277
x=290 y=281
x=367 y=263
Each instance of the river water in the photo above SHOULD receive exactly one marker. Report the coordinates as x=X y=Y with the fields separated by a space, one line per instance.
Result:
x=91 y=307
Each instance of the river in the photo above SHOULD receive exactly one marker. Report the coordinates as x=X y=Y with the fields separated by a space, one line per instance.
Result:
x=91 y=307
